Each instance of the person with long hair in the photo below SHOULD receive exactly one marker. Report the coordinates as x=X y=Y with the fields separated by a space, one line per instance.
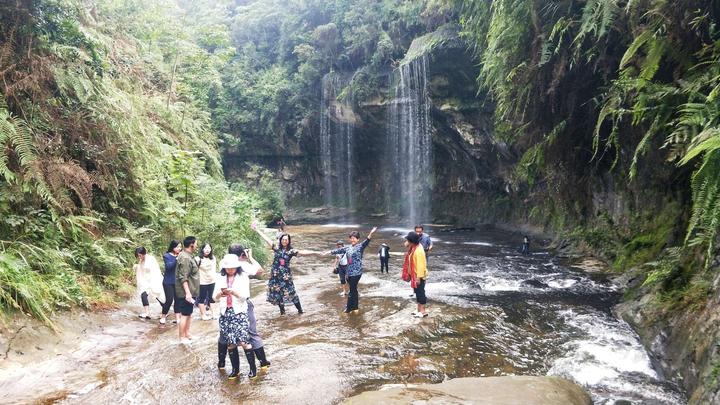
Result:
x=170 y=260
x=208 y=273
x=281 y=288
x=149 y=280
x=232 y=290
x=415 y=271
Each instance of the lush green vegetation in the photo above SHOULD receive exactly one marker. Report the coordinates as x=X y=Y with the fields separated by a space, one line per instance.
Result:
x=630 y=86
x=107 y=143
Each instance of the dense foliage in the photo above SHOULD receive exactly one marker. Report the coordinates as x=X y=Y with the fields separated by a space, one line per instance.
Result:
x=107 y=143
x=626 y=85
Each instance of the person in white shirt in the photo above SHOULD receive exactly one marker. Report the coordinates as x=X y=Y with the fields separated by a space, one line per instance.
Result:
x=232 y=290
x=149 y=280
x=208 y=273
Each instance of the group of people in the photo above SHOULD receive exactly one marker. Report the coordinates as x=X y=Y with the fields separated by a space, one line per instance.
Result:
x=191 y=281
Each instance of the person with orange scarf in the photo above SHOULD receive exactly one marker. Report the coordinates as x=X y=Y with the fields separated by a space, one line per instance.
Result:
x=415 y=271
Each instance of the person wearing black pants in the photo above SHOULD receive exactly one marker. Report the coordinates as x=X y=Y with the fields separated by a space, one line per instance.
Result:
x=353 y=297
x=354 y=254
x=384 y=254
x=170 y=260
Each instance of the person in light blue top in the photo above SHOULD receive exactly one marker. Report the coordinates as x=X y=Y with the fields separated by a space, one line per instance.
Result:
x=425 y=240
x=354 y=254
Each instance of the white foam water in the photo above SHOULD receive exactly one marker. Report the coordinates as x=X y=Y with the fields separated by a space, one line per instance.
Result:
x=609 y=360
x=340 y=226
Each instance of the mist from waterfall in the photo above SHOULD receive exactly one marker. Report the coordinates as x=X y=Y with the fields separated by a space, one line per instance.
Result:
x=409 y=145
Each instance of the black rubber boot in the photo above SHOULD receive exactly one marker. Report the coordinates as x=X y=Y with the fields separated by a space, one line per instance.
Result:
x=250 y=355
x=299 y=308
x=282 y=309
x=235 y=361
x=222 y=352
x=260 y=354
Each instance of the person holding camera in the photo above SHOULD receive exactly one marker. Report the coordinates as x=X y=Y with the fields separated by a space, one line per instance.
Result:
x=232 y=290
x=249 y=268
x=354 y=254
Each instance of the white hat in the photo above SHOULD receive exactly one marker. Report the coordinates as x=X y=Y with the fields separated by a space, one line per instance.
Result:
x=230 y=261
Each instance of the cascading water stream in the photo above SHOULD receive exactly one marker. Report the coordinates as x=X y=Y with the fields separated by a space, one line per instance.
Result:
x=337 y=130
x=409 y=143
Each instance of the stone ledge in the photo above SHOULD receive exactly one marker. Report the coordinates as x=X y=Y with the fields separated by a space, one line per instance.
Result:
x=508 y=390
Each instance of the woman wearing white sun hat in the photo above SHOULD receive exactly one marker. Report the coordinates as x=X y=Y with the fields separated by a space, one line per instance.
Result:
x=231 y=293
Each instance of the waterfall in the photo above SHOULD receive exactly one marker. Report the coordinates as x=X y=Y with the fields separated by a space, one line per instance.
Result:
x=337 y=129
x=409 y=147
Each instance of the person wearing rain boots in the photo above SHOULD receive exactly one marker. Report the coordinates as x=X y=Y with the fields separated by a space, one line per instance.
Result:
x=232 y=291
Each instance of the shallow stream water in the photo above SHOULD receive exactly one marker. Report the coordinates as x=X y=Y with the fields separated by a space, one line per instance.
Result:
x=492 y=312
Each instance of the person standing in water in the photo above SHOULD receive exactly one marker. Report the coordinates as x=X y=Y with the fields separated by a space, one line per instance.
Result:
x=149 y=280
x=525 y=246
x=281 y=288
x=341 y=268
x=425 y=240
x=354 y=254
x=232 y=291
x=187 y=287
x=249 y=268
x=208 y=273
x=415 y=271
x=384 y=254
x=170 y=260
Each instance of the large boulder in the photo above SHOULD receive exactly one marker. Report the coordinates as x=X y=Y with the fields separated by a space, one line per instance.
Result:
x=509 y=390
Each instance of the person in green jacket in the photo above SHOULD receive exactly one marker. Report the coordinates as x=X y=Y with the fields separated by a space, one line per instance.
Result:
x=187 y=286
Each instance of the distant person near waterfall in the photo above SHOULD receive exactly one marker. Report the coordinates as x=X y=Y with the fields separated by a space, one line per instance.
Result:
x=425 y=240
x=525 y=246
x=384 y=255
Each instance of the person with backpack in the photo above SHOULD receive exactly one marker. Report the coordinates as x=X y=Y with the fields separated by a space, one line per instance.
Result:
x=341 y=268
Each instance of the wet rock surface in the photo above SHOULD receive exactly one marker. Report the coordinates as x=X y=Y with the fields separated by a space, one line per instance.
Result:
x=510 y=390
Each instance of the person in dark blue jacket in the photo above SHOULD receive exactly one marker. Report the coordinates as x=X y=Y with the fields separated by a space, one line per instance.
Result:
x=170 y=260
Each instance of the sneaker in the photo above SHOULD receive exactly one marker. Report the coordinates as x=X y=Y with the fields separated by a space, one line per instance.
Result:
x=414 y=313
x=265 y=365
x=185 y=341
x=342 y=294
x=233 y=375
x=221 y=365
x=143 y=316
x=420 y=315
x=252 y=375
x=206 y=317
x=162 y=321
